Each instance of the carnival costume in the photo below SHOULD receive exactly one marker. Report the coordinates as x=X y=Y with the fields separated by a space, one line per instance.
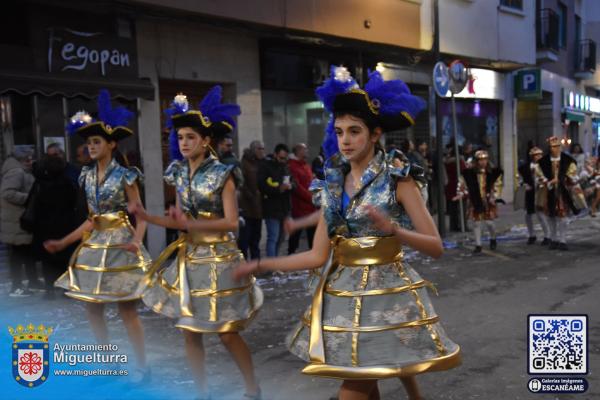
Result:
x=562 y=199
x=197 y=288
x=371 y=316
x=482 y=187
x=533 y=192
x=101 y=270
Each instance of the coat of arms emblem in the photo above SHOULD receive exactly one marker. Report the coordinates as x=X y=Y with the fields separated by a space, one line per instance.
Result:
x=30 y=354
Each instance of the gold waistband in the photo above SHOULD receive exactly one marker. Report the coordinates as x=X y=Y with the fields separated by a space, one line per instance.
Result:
x=196 y=237
x=369 y=250
x=103 y=222
x=200 y=237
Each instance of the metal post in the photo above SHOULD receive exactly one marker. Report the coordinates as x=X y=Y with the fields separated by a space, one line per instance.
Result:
x=439 y=133
x=36 y=126
x=65 y=109
x=456 y=155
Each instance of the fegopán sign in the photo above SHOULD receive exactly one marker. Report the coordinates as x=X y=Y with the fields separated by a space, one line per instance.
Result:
x=92 y=52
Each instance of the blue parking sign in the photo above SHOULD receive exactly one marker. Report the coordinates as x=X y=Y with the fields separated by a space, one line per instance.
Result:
x=528 y=84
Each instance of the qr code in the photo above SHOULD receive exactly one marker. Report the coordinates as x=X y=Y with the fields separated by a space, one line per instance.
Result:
x=557 y=344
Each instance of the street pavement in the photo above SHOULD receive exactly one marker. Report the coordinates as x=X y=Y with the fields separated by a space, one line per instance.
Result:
x=483 y=301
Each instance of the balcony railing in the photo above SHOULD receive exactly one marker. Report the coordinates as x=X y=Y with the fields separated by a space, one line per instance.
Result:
x=547 y=30
x=585 y=61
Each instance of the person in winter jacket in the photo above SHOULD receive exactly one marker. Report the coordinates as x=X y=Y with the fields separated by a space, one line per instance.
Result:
x=14 y=191
x=55 y=198
x=274 y=183
x=250 y=201
x=301 y=197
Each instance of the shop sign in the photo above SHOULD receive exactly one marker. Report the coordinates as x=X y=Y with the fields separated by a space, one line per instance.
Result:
x=92 y=52
x=580 y=102
x=528 y=84
x=487 y=84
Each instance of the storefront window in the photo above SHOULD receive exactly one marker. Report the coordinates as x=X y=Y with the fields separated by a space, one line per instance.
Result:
x=292 y=117
x=477 y=124
x=38 y=121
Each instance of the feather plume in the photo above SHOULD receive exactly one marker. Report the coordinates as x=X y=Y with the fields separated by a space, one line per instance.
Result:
x=393 y=96
x=340 y=81
x=118 y=116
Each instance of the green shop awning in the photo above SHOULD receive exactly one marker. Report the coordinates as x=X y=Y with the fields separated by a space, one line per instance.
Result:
x=573 y=116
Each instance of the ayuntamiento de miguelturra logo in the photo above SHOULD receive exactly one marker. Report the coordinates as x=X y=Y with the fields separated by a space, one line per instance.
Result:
x=30 y=354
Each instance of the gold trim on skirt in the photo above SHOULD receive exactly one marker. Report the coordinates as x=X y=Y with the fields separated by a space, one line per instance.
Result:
x=100 y=223
x=366 y=252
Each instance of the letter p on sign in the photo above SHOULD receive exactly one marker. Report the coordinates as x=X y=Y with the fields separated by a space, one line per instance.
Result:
x=528 y=82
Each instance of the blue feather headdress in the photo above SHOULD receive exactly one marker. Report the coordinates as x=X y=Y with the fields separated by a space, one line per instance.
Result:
x=389 y=103
x=212 y=117
x=111 y=122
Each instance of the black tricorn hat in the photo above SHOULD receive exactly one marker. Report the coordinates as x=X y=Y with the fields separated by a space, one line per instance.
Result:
x=99 y=128
x=357 y=100
x=195 y=119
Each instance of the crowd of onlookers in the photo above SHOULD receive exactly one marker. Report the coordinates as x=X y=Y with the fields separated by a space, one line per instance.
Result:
x=41 y=200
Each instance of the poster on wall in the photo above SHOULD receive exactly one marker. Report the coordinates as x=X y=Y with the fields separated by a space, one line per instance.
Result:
x=59 y=140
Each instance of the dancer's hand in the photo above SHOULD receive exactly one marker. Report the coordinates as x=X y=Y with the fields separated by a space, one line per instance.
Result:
x=245 y=269
x=133 y=246
x=179 y=217
x=381 y=220
x=54 y=246
x=289 y=226
x=138 y=210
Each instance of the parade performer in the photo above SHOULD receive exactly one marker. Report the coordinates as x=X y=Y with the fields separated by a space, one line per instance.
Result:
x=111 y=260
x=482 y=185
x=557 y=172
x=527 y=172
x=197 y=288
x=371 y=317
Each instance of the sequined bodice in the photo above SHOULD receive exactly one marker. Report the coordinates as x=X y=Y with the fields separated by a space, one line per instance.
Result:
x=377 y=188
x=108 y=195
x=201 y=194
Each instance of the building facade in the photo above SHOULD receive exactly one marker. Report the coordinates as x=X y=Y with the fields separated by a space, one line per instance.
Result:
x=269 y=55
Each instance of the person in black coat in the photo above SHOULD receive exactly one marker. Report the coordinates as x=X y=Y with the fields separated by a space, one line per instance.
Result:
x=275 y=184
x=55 y=198
x=527 y=172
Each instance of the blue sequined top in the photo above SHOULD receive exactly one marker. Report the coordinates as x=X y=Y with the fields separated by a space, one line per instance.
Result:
x=109 y=195
x=377 y=188
x=201 y=194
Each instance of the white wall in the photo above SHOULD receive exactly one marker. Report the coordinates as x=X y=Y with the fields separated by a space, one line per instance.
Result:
x=481 y=29
x=179 y=50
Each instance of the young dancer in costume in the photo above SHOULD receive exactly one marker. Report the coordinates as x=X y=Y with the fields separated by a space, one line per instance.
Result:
x=111 y=260
x=197 y=288
x=483 y=186
x=557 y=172
x=527 y=172
x=371 y=317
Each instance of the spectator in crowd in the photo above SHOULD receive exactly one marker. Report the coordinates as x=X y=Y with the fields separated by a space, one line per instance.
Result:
x=225 y=151
x=452 y=201
x=54 y=150
x=82 y=156
x=468 y=153
x=15 y=185
x=577 y=153
x=275 y=185
x=317 y=165
x=408 y=148
x=301 y=198
x=54 y=190
x=251 y=201
x=424 y=160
